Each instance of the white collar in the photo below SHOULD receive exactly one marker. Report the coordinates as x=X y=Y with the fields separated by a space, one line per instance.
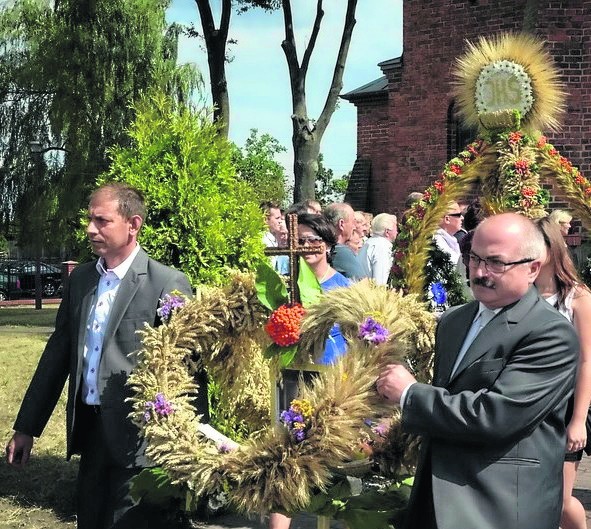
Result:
x=121 y=269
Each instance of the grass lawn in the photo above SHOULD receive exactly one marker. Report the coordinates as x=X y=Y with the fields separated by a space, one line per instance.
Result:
x=42 y=495
x=28 y=316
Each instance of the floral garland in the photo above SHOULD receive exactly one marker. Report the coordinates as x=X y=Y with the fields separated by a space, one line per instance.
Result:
x=282 y=467
x=422 y=219
x=513 y=163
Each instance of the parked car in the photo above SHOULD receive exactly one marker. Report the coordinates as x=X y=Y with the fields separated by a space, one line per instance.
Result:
x=24 y=271
x=10 y=287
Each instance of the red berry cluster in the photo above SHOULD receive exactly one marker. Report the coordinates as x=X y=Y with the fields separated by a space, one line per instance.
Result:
x=284 y=324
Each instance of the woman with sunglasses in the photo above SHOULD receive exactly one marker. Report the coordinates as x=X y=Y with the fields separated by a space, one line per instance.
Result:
x=560 y=285
x=316 y=231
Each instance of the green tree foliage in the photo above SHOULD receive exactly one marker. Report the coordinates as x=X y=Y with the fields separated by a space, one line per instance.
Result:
x=255 y=163
x=328 y=187
x=69 y=73
x=201 y=218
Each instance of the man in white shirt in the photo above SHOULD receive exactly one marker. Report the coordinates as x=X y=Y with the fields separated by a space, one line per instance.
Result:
x=376 y=253
x=444 y=238
x=104 y=304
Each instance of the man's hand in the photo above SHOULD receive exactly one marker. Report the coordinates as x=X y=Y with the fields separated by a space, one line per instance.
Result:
x=393 y=381
x=19 y=449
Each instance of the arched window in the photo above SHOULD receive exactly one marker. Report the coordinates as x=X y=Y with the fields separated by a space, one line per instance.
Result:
x=458 y=136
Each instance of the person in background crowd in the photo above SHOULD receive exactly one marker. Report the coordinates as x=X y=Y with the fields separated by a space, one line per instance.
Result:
x=474 y=215
x=411 y=199
x=106 y=301
x=282 y=261
x=367 y=225
x=559 y=284
x=444 y=236
x=355 y=242
x=342 y=217
x=460 y=234
x=413 y=196
x=274 y=220
x=313 y=206
x=376 y=254
x=492 y=422
x=360 y=223
x=563 y=219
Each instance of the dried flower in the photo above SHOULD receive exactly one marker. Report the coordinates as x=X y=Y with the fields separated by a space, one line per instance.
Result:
x=159 y=406
x=371 y=331
x=169 y=304
x=297 y=418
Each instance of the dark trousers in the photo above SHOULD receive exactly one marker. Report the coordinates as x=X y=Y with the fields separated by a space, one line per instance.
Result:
x=103 y=486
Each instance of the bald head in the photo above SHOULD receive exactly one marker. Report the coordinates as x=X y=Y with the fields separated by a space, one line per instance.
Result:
x=505 y=259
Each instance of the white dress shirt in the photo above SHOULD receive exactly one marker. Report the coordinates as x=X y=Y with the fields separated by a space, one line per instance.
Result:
x=96 y=325
x=376 y=258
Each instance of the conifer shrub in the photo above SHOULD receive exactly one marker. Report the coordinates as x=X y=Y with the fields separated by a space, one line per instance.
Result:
x=201 y=219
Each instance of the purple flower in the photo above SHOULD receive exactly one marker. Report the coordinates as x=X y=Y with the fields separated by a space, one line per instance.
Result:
x=159 y=405
x=371 y=331
x=168 y=305
x=296 y=421
x=225 y=447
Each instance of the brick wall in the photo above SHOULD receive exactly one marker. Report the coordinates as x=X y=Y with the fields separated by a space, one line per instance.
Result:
x=406 y=135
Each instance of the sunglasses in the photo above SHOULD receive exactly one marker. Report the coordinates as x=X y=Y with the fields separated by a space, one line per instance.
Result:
x=312 y=241
x=455 y=214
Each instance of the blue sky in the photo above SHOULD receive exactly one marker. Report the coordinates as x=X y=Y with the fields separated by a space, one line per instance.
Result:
x=258 y=79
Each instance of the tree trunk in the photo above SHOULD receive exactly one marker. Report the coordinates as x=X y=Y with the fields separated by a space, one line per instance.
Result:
x=306 y=146
x=307 y=134
x=215 y=43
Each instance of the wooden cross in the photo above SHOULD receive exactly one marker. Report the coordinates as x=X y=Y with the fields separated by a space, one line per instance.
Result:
x=293 y=251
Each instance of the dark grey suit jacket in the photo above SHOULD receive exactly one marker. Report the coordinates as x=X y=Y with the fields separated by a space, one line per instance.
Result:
x=146 y=282
x=494 y=434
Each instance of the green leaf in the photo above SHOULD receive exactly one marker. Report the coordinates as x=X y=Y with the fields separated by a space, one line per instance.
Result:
x=287 y=355
x=310 y=289
x=273 y=350
x=153 y=485
x=271 y=290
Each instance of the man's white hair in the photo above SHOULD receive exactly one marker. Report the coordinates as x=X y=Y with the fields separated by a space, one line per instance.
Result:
x=382 y=222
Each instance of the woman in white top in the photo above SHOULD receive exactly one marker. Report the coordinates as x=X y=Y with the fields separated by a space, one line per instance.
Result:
x=560 y=285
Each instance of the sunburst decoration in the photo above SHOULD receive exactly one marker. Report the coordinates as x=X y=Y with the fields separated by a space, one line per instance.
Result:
x=505 y=73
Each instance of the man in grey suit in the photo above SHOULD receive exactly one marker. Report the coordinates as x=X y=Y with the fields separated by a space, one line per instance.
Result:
x=105 y=303
x=492 y=423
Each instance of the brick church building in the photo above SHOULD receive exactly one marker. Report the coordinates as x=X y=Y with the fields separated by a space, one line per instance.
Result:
x=406 y=125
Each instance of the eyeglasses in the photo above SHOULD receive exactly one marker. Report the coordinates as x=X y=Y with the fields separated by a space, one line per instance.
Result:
x=455 y=214
x=496 y=266
x=312 y=241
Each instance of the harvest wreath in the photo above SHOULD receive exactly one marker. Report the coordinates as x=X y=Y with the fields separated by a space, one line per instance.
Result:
x=282 y=466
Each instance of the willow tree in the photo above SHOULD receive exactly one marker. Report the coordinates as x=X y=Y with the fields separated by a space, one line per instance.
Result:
x=69 y=73
x=307 y=133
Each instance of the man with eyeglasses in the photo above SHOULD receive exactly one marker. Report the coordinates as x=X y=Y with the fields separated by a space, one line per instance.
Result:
x=492 y=422
x=444 y=237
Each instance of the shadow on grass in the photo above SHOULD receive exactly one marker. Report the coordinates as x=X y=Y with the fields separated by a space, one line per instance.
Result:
x=48 y=482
